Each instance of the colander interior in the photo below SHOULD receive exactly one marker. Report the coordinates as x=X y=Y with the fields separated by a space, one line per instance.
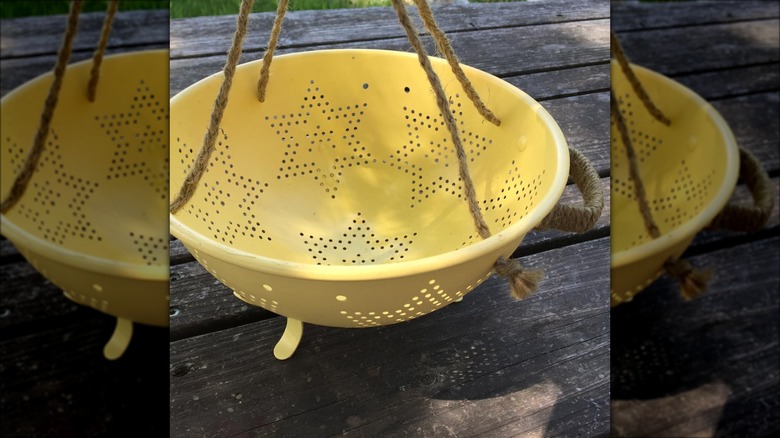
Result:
x=689 y=168
x=100 y=189
x=348 y=160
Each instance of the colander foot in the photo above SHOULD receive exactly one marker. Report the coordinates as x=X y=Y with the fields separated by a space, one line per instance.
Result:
x=458 y=300
x=290 y=339
x=116 y=346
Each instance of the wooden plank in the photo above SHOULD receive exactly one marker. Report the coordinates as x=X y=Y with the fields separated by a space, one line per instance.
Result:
x=205 y=36
x=29 y=300
x=55 y=381
x=644 y=16
x=584 y=121
x=666 y=346
x=17 y=71
x=682 y=50
x=733 y=82
x=556 y=84
x=468 y=359
x=8 y=254
x=754 y=121
x=544 y=47
x=35 y=36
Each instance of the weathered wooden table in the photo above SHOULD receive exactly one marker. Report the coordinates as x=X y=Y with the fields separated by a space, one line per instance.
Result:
x=54 y=380
x=709 y=366
x=487 y=366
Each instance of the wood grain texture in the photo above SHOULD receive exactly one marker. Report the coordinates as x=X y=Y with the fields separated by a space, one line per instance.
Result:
x=37 y=36
x=514 y=365
x=636 y=16
x=205 y=36
x=716 y=46
x=545 y=47
x=55 y=381
x=17 y=71
x=663 y=346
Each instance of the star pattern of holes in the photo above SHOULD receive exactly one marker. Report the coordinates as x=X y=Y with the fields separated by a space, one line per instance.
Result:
x=132 y=140
x=263 y=302
x=676 y=205
x=427 y=299
x=340 y=249
x=645 y=144
x=152 y=249
x=60 y=190
x=15 y=155
x=88 y=300
x=428 y=138
x=305 y=141
x=225 y=187
x=514 y=192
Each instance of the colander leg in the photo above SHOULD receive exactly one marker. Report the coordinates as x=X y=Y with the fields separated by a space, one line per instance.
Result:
x=116 y=346
x=290 y=339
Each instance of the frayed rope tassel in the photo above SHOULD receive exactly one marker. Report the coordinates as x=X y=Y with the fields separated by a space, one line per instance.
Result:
x=522 y=283
x=692 y=281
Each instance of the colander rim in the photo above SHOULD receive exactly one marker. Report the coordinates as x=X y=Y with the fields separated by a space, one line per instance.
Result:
x=708 y=213
x=20 y=236
x=474 y=251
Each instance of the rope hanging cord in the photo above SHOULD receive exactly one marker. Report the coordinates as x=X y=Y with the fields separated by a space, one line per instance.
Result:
x=445 y=48
x=620 y=55
x=574 y=218
x=97 y=59
x=265 y=70
x=210 y=138
x=522 y=282
x=742 y=218
x=63 y=55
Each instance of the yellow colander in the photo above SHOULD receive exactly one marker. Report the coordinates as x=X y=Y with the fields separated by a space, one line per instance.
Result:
x=93 y=217
x=688 y=168
x=338 y=201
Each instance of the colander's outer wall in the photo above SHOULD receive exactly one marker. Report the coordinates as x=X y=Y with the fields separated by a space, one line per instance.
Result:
x=689 y=170
x=355 y=303
x=140 y=300
x=92 y=219
x=338 y=201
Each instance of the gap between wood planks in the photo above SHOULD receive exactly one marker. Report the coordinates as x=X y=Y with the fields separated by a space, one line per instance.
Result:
x=697 y=25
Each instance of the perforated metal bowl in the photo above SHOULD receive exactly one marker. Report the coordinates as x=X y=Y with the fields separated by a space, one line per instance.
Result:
x=338 y=201
x=689 y=170
x=92 y=219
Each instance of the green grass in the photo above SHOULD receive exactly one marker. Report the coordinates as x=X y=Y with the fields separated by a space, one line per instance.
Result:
x=30 y=8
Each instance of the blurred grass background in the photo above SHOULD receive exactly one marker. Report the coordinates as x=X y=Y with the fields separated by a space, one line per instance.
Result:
x=29 y=8
x=183 y=8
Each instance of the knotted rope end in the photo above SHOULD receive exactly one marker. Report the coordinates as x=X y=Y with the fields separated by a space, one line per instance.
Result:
x=522 y=283
x=693 y=282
